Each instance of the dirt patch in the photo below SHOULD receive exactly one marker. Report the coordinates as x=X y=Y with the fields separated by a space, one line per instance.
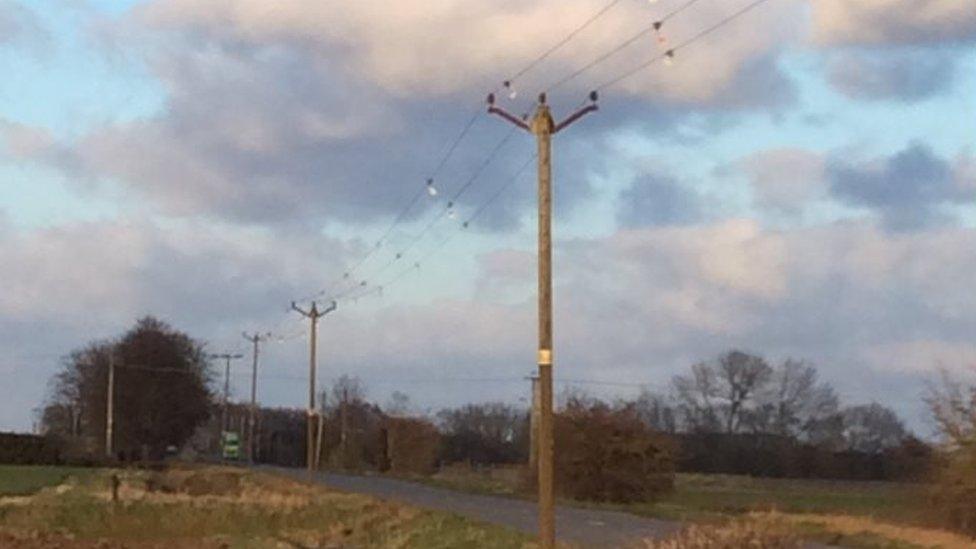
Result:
x=196 y=483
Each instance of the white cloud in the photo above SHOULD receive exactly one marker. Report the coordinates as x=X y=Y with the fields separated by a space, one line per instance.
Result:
x=786 y=179
x=103 y=272
x=638 y=305
x=420 y=47
x=924 y=355
x=876 y=22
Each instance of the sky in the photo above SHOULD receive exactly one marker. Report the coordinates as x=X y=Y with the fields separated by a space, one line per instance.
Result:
x=798 y=182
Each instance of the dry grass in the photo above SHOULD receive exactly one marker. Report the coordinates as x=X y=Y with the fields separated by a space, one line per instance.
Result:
x=228 y=508
x=845 y=525
x=783 y=531
x=761 y=532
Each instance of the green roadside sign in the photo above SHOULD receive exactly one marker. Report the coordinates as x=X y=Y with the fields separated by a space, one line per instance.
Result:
x=231 y=445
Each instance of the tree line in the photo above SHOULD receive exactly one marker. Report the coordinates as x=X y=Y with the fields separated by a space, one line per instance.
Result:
x=737 y=413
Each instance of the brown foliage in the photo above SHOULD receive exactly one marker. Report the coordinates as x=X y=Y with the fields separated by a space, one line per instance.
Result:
x=195 y=483
x=955 y=491
x=953 y=406
x=412 y=445
x=609 y=454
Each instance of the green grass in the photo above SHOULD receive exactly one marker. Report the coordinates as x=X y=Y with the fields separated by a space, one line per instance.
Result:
x=724 y=494
x=703 y=497
x=718 y=498
x=21 y=480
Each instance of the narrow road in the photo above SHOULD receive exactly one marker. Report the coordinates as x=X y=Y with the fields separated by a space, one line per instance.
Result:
x=584 y=527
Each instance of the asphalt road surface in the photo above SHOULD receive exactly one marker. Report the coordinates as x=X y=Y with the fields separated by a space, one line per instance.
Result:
x=583 y=527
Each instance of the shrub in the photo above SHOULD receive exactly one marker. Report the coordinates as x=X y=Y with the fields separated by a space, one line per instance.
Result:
x=22 y=449
x=609 y=454
x=955 y=491
x=411 y=445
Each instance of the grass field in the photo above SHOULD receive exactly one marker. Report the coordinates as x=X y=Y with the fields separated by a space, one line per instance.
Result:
x=19 y=480
x=725 y=494
x=212 y=507
x=703 y=496
x=847 y=514
x=209 y=507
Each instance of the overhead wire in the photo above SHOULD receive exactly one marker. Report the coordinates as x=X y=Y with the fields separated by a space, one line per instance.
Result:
x=434 y=219
x=695 y=38
x=656 y=25
x=465 y=130
x=363 y=289
x=348 y=273
x=558 y=45
x=379 y=287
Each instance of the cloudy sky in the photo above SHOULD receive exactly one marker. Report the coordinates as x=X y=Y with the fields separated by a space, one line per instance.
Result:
x=798 y=183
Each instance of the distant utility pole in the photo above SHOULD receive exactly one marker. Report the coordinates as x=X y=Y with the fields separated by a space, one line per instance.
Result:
x=313 y=314
x=226 y=401
x=543 y=126
x=255 y=340
x=110 y=405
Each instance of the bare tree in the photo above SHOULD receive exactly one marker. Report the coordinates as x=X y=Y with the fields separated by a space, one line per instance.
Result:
x=656 y=411
x=347 y=390
x=793 y=403
x=871 y=428
x=697 y=397
x=399 y=404
x=953 y=406
x=720 y=395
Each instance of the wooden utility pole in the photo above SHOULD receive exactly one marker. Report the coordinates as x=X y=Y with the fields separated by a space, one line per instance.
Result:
x=226 y=398
x=534 y=425
x=313 y=314
x=110 y=405
x=255 y=340
x=543 y=127
x=344 y=424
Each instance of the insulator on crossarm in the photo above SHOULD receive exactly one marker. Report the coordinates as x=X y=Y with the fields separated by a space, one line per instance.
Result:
x=512 y=93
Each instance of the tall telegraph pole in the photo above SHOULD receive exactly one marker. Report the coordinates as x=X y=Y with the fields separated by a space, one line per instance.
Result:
x=226 y=400
x=255 y=340
x=313 y=314
x=110 y=405
x=543 y=126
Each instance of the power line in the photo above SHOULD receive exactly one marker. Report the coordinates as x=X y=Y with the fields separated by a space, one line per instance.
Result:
x=655 y=26
x=447 y=210
x=406 y=209
x=669 y=54
x=379 y=287
x=508 y=83
x=456 y=142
